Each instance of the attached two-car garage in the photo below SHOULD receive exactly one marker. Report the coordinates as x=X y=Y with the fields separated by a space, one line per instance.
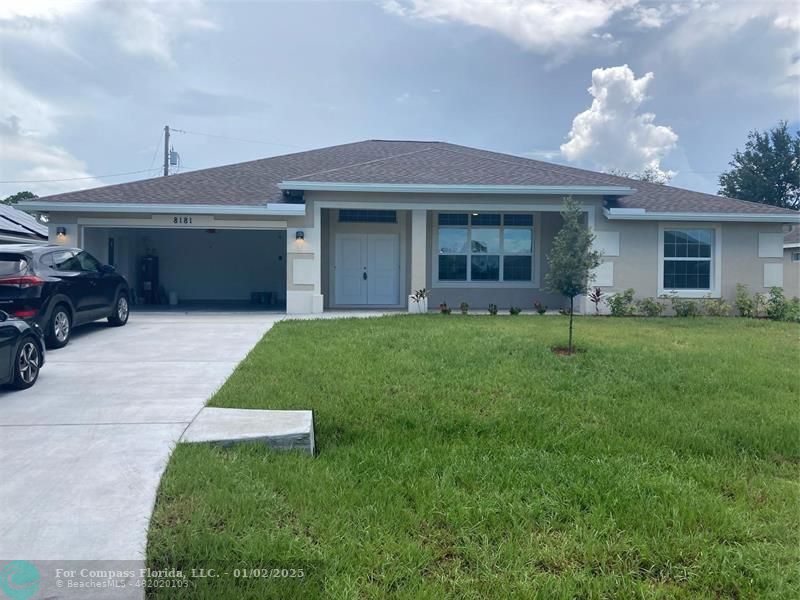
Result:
x=196 y=266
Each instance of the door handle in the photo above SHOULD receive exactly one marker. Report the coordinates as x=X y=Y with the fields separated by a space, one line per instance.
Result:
x=365 y=275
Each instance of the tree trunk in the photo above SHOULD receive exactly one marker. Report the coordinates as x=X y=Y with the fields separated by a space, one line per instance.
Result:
x=571 y=301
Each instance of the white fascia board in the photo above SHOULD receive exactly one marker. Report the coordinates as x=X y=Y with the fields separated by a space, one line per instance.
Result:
x=795 y=245
x=322 y=186
x=21 y=239
x=206 y=209
x=639 y=214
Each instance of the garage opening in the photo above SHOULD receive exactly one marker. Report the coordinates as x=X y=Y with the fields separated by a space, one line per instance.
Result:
x=196 y=268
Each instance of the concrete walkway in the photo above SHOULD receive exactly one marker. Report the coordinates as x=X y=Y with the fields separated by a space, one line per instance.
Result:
x=82 y=452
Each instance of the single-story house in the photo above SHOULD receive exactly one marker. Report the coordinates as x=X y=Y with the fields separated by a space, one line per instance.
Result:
x=17 y=227
x=363 y=225
x=791 y=261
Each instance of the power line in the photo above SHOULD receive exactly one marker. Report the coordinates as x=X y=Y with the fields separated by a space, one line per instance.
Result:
x=235 y=139
x=77 y=178
x=155 y=152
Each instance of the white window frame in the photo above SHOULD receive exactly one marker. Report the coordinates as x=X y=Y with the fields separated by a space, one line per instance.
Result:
x=716 y=260
x=795 y=255
x=449 y=283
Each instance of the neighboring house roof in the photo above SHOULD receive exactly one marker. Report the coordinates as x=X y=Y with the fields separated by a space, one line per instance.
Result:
x=792 y=239
x=15 y=224
x=256 y=183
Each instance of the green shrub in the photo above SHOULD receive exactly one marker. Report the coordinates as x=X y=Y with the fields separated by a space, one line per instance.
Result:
x=650 y=307
x=514 y=310
x=493 y=309
x=759 y=302
x=716 y=307
x=780 y=308
x=777 y=305
x=464 y=307
x=621 y=304
x=744 y=303
x=539 y=307
x=444 y=309
x=794 y=310
x=684 y=307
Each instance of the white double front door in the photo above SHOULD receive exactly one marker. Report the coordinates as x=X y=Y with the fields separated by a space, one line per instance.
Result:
x=367 y=269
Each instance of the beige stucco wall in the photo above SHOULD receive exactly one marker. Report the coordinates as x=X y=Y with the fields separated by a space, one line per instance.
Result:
x=791 y=273
x=740 y=261
x=476 y=297
x=637 y=264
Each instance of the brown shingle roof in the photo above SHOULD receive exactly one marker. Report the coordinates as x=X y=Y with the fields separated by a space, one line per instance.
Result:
x=385 y=161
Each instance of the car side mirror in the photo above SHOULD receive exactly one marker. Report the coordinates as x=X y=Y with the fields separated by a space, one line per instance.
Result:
x=3 y=316
x=107 y=269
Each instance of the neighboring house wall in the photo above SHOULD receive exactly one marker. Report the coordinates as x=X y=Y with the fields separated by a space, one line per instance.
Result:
x=791 y=272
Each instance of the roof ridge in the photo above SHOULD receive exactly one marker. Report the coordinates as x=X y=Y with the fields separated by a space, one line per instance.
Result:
x=367 y=162
x=405 y=141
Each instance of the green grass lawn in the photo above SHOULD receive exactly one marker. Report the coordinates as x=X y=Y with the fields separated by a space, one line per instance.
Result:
x=459 y=457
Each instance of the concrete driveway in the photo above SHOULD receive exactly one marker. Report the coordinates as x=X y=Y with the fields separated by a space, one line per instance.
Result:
x=82 y=452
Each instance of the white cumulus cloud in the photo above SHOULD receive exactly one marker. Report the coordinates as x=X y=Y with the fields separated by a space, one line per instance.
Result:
x=539 y=25
x=145 y=28
x=562 y=27
x=613 y=133
x=29 y=158
x=27 y=153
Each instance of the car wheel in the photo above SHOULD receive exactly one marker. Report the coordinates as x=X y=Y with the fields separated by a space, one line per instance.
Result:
x=26 y=364
x=60 y=327
x=119 y=317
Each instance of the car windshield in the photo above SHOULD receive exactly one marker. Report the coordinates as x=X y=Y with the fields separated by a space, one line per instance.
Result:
x=11 y=264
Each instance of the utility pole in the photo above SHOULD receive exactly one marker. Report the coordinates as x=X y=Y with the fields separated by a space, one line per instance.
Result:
x=166 y=150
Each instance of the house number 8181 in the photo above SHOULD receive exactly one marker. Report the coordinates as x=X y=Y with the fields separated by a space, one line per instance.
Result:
x=182 y=220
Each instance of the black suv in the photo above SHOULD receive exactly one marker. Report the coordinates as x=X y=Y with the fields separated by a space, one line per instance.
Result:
x=21 y=352
x=60 y=288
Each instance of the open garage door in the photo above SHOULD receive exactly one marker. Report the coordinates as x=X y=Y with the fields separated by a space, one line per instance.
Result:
x=224 y=268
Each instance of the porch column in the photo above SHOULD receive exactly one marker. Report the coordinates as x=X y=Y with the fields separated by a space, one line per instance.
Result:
x=419 y=249
x=304 y=264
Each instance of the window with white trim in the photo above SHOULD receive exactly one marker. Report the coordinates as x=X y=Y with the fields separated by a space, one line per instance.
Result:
x=485 y=247
x=367 y=216
x=796 y=256
x=688 y=259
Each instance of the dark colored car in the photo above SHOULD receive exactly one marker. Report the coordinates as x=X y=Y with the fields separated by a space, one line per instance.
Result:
x=21 y=352
x=60 y=288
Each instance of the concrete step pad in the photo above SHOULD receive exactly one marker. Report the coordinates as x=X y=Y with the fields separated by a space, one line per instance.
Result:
x=280 y=429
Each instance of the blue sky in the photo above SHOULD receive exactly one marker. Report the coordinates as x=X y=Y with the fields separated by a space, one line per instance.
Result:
x=86 y=87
